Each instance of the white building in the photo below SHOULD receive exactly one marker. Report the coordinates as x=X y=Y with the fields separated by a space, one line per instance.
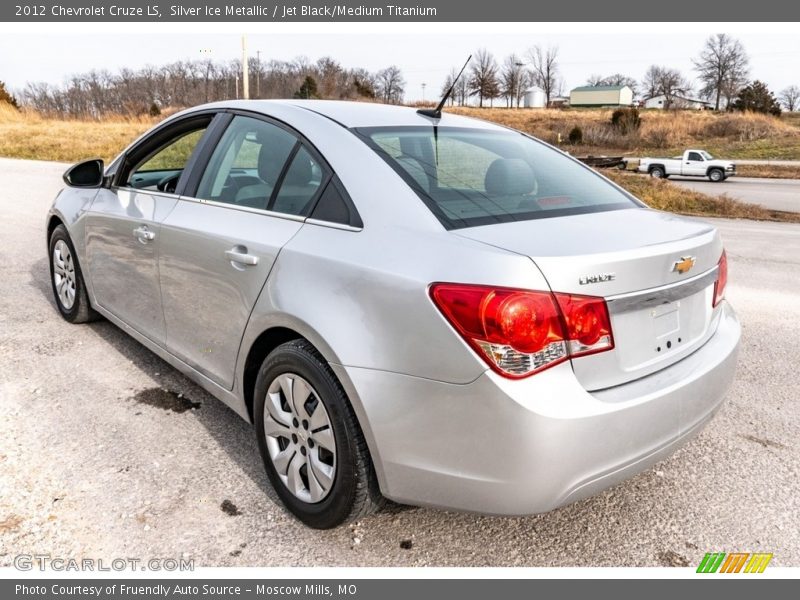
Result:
x=601 y=95
x=534 y=98
x=677 y=102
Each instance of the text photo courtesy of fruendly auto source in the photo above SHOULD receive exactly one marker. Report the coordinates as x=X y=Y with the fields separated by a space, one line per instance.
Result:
x=521 y=299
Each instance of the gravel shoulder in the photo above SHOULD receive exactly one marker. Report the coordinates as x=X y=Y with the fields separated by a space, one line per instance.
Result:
x=106 y=451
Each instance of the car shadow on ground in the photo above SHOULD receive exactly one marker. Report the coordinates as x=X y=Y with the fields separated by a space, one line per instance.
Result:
x=233 y=434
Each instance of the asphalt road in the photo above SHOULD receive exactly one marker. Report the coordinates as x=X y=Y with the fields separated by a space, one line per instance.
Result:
x=775 y=194
x=98 y=459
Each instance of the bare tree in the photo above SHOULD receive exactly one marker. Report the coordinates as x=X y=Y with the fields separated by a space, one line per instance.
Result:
x=594 y=80
x=391 y=85
x=446 y=86
x=544 y=69
x=667 y=82
x=186 y=83
x=513 y=79
x=483 y=76
x=651 y=82
x=722 y=68
x=790 y=97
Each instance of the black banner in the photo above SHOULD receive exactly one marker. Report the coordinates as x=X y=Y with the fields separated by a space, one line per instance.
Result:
x=396 y=11
x=391 y=589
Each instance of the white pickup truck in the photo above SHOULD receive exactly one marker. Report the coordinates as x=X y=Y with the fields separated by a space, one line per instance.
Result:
x=693 y=163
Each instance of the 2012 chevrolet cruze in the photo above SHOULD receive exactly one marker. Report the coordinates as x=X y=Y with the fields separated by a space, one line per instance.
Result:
x=421 y=307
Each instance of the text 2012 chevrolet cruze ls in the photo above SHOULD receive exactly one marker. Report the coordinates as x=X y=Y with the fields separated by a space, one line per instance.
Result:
x=431 y=309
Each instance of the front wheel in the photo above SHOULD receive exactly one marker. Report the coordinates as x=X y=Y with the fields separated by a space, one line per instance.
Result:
x=67 y=281
x=716 y=175
x=310 y=441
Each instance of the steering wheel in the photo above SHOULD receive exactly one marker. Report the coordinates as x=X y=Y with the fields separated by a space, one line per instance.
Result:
x=169 y=183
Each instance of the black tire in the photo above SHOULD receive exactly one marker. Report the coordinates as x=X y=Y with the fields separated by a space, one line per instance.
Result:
x=81 y=310
x=716 y=175
x=354 y=492
x=657 y=172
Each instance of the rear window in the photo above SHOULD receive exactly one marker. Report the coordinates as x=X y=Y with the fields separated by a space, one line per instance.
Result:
x=470 y=177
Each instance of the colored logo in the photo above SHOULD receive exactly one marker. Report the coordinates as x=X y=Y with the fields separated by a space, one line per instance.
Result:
x=734 y=562
x=683 y=265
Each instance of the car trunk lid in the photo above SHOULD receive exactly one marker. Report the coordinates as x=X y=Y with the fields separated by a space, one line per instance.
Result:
x=655 y=270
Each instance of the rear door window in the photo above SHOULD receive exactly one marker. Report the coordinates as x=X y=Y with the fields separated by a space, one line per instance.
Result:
x=245 y=168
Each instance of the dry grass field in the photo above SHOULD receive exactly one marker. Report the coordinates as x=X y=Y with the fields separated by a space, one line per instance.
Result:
x=663 y=195
x=31 y=136
x=28 y=135
x=729 y=135
x=769 y=171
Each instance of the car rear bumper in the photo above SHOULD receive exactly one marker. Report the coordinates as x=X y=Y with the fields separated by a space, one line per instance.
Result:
x=516 y=447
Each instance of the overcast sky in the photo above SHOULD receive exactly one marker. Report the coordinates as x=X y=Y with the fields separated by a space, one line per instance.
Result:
x=423 y=57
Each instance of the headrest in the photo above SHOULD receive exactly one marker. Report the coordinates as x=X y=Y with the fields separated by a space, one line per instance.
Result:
x=415 y=169
x=271 y=158
x=300 y=171
x=509 y=177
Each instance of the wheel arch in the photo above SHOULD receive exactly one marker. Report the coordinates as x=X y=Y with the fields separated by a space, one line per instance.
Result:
x=53 y=221
x=265 y=343
x=279 y=333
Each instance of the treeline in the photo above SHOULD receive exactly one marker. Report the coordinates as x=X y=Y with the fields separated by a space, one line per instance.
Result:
x=187 y=83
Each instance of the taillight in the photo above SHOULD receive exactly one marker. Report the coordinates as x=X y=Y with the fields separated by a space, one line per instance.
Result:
x=722 y=279
x=520 y=332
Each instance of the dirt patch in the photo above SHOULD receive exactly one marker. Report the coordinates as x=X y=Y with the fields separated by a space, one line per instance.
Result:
x=766 y=443
x=230 y=509
x=165 y=400
x=670 y=558
x=10 y=523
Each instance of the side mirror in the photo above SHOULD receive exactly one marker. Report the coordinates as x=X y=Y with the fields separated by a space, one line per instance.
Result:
x=86 y=174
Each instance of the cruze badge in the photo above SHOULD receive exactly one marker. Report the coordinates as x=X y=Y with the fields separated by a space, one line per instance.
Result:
x=599 y=278
x=683 y=265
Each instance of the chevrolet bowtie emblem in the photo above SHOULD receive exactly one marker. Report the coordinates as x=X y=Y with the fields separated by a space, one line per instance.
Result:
x=683 y=265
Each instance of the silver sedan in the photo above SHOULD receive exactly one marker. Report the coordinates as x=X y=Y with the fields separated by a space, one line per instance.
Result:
x=420 y=307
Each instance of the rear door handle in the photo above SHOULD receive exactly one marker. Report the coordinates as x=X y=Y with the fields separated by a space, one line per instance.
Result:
x=143 y=234
x=241 y=257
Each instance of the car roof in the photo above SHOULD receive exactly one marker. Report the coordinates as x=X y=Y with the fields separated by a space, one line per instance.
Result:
x=360 y=114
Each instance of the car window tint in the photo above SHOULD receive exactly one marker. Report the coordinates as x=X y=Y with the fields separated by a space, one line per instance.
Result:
x=695 y=156
x=300 y=184
x=469 y=177
x=332 y=207
x=168 y=161
x=247 y=163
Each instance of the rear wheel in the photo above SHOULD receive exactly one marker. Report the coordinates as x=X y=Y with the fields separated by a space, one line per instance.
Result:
x=657 y=172
x=312 y=446
x=716 y=175
x=67 y=281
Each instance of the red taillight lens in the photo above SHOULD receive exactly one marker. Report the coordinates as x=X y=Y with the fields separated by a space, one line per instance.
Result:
x=722 y=279
x=588 y=323
x=520 y=332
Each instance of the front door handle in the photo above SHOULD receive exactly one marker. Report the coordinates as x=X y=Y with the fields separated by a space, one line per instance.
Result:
x=240 y=256
x=143 y=234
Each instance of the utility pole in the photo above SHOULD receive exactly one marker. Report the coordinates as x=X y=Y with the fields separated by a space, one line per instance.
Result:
x=423 y=91
x=245 y=70
x=258 y=74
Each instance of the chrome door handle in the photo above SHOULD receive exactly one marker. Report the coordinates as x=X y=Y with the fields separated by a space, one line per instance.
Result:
x=241 y=257
x=143 y=234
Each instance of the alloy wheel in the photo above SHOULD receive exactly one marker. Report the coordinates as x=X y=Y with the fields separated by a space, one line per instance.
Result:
x=300 y=438
x=64 y=274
